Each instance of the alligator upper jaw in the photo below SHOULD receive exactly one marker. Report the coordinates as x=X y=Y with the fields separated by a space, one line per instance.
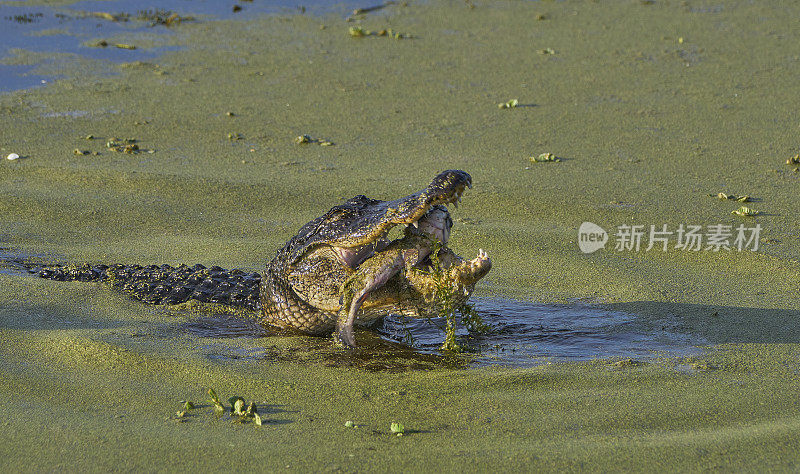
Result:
x=380 y=216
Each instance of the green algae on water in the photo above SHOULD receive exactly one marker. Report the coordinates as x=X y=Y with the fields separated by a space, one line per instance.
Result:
x=306 y=139
x=619 y=91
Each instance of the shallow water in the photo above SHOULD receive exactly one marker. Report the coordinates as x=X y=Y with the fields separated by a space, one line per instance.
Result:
x=525 y=334
x=44 y=29
x=522 y=334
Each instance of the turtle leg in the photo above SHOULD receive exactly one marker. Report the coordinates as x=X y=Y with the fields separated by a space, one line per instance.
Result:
x=371 y=275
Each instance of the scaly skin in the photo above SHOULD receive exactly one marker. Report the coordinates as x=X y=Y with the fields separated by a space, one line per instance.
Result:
x=338 y=267
x=302 y=286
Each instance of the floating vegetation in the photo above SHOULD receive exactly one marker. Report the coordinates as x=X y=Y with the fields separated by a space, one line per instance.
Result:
x=472 y=320
x=361 y=11
x=251 y=411
x=110 y=16
x=443 y=295
x=25 y=18
x=745 y=211
x=161 y=17
x=78 y=151
x=393 y=34
x=547 y=51
x=545 y=158
x=237 y=408
x=364 y=11
x=308 y=139
x=126 y=145
x=235 y=136
x=153 y=16
x=626 y=363
x=359 y=32
x=104 y=44
x=188 y=406
x=349 y=424
x=237 y=405
x=397 y=428
x=218 y=406
x=795 y=160
x=732 y=197
x=13 y=156
x=511 y=104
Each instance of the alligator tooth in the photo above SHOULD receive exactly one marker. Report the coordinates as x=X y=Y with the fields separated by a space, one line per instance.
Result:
x=415 y=224
x=459 y=198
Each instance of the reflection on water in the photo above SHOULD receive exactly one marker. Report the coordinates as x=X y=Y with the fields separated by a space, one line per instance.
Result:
x=523 y=334
x=70 y=29
x=222 y=326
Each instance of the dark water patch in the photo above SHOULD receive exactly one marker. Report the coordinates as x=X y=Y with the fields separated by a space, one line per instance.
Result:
x=526 y=334
x=15 y=77
x=216 y=9
x=58 y=31
x=522 y=335
x=374 y=353
x=14 y=262
x=225 y=326
x=79 y=28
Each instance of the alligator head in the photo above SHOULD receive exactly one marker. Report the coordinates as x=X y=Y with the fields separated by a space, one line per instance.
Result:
x=347 y=249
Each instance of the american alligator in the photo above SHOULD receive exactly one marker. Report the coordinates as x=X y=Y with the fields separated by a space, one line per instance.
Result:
x=339 y=270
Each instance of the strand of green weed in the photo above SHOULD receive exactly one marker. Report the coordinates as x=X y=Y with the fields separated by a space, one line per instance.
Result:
x=444 y=297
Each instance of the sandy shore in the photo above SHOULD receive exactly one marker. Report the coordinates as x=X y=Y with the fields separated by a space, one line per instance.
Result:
x=652 y=107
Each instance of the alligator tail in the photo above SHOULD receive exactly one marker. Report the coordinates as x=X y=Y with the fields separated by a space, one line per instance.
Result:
x=164 y=284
